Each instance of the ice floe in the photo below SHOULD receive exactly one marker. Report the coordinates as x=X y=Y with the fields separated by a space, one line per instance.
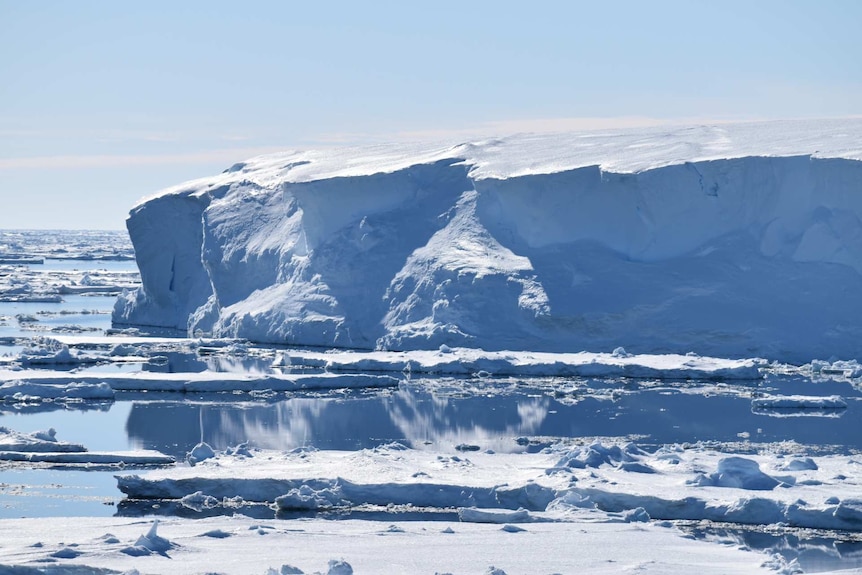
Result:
x=43 y=447
x=671 y=483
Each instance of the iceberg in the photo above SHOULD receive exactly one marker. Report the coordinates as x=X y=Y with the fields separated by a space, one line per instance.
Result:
x=732 y=240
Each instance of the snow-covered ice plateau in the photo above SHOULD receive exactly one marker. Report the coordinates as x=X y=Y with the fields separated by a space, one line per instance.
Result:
x=733 y=240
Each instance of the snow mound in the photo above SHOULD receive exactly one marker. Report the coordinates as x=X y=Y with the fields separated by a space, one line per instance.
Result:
x=662 y=240
x=308 y=498
x=740 y=473
x=339 y=567
x=200 y=452
x=149 y=544
x=598 y=454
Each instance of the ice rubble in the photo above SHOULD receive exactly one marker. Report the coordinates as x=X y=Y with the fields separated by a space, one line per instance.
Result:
x=738 y=240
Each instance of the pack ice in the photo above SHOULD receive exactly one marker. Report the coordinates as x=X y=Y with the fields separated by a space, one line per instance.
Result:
x=732 y=240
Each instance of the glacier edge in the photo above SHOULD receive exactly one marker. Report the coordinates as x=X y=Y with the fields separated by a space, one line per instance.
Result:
x=736 y=257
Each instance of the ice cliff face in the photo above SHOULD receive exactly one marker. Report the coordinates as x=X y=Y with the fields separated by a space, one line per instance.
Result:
x=737 y=240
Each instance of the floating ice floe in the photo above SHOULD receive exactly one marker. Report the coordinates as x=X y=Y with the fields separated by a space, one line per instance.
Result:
x=36 y=442
x=557 y=484
x=799 y=406
x=467 y=361
x=22 y=392
x=42 y=447
x=337 y=369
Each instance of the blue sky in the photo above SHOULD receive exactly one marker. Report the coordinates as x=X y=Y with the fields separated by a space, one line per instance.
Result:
x=103 y=102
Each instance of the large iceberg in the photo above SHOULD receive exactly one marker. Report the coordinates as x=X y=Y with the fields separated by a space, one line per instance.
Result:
x=729 y=240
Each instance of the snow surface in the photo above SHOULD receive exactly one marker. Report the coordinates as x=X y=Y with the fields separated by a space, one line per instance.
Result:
x=247 y=546
x=661 y=252
x=737 y=240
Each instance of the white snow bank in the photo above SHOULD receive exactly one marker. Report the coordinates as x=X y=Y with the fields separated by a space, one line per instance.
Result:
x=702 y=484
x=662 y=240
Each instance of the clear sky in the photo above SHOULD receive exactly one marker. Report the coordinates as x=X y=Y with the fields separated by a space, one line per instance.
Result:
x=103 y=102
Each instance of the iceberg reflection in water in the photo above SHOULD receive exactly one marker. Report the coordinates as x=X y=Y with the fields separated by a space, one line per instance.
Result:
x=442 y=415
x=504 y=417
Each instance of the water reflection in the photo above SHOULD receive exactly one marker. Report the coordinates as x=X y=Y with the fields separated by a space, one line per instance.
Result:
x=517 y=418
x=75 y=314
x=193 y=362
x=438 y=414
x=814 y=553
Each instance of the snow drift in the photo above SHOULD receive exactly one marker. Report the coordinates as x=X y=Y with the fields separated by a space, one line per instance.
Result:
x=737 y=240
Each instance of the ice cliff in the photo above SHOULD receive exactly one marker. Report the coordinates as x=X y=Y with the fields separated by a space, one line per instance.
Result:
x=728 y=240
